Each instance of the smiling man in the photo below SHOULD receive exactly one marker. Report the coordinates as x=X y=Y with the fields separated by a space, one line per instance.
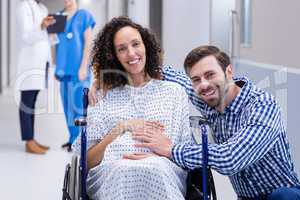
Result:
x=251 y=143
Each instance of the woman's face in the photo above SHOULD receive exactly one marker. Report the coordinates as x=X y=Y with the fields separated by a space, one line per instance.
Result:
x=130 y=50
x=69 y=3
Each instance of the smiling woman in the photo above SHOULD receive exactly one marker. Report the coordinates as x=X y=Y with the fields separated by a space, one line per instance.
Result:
x=127 y=59
x=106 y=53
x=130 y=51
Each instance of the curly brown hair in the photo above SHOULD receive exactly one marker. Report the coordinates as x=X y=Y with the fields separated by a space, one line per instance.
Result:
x=106 y=66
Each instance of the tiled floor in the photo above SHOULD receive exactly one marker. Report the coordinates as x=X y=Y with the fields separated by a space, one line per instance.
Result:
x=26 y=176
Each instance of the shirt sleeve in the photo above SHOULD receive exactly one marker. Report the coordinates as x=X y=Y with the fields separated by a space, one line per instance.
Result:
x=247 y=146
x=29 y=33
x=170 y=74
x=88 y=21
x=183 y=113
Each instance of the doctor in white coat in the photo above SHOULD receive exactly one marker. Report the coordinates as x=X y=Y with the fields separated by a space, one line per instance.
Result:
x=34 y=54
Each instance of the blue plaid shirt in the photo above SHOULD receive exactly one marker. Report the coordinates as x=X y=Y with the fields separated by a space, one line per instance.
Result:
x=251 y=143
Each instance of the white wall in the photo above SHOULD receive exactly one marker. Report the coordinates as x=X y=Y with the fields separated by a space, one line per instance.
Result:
x=54 y=5
x=138 y=11
x=8 y=63
x=4 y=61
x=98 y=10
x=13 y=42
x=115 y=8
x=275 y=33
x=185 y=26
x=221 y=23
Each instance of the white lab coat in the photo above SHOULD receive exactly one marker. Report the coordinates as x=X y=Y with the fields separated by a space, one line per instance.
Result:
x=34 y=47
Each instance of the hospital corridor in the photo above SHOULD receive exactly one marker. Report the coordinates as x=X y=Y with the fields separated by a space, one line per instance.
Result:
x=259 y=37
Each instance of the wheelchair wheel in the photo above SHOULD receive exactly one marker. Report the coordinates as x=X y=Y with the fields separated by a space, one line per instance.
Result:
x=71 y=187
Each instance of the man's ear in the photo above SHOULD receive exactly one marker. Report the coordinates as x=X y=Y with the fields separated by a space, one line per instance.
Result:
x=229 y=71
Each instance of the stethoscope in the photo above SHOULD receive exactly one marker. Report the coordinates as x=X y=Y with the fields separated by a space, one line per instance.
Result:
x=69 y=34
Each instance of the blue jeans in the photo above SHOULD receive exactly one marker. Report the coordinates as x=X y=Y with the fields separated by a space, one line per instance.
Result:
x=285 y=193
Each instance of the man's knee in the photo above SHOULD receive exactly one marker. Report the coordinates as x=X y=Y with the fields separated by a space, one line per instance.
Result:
x=285 y=193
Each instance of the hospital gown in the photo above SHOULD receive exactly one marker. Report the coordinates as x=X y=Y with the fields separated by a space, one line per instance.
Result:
x=151 y=178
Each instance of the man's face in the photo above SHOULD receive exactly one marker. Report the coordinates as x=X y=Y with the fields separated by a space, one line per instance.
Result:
x=210 y=82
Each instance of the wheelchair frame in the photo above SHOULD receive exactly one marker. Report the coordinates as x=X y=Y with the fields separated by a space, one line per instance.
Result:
x=77 y=170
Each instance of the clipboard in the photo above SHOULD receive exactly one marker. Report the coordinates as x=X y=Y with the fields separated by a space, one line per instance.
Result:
x=59 y=25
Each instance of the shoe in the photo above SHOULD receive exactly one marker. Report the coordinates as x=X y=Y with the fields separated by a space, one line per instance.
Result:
x=32 y=147
x=67 y=146
x=42 y=146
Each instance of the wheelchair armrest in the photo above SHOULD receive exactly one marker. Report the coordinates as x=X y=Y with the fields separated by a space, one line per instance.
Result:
x=195 y=121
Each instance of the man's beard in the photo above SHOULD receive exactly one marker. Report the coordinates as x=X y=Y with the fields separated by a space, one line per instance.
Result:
x=222 y=90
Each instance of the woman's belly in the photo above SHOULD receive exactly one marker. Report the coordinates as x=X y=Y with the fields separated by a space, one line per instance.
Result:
x=123 y=144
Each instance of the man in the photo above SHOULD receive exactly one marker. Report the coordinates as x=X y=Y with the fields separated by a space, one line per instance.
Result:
x=251 y=144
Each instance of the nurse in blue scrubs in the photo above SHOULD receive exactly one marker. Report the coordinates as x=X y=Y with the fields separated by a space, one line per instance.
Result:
x=72 y=63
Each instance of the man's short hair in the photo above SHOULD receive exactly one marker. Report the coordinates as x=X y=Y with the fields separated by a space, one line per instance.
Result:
x=203 y=51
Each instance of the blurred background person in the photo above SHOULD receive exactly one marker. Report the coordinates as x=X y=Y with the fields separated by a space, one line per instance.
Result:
x=32 y=21
x=72 y=63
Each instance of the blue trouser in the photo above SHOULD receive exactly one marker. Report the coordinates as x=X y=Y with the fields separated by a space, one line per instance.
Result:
x=71 y=91
x=283 y=193
x=26 y=113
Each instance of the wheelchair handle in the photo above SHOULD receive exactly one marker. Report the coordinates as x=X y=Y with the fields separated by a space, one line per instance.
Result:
x=85 y=101
x=80 y=121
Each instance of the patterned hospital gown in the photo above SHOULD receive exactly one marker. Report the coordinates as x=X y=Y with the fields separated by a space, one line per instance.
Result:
x=154 y=177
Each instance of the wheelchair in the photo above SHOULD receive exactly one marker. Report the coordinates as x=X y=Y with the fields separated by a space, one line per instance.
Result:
x=200 y=182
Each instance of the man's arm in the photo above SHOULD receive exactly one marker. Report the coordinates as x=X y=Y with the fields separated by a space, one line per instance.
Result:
x=170 y=74
x=246 y=147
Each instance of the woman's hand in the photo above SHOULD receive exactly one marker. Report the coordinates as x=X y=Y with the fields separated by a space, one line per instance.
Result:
x=136 y=125
x=142 y=125
x=138 y=156
x=93 y=92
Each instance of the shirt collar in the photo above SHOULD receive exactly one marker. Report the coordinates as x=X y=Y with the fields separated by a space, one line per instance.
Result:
x=242 y=97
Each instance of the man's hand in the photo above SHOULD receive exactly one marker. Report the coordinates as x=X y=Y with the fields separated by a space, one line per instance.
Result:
x=47 y=21
x=152 y=136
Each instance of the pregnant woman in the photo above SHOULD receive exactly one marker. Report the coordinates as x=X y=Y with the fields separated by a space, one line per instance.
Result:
x=126 y=61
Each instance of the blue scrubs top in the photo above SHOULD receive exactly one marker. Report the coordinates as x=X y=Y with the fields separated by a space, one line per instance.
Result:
x=69 y=50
